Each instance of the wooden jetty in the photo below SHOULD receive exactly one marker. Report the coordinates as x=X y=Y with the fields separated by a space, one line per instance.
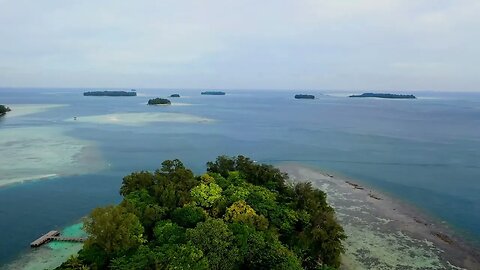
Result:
x=54 y=236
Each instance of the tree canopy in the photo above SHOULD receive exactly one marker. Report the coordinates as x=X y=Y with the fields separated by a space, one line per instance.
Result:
x=159 y=101
x=239 y=215
x=4 y=109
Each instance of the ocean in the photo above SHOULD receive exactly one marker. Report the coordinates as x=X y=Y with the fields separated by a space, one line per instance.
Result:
x=425 y=152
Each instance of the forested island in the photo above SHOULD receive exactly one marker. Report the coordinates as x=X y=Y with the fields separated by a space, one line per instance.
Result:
x=159 y=101
x=238 y=215
x=214 y=93
x=3 y=110
x=111 y=93
x=175 y=95
x=380 y=95
x=303 y=96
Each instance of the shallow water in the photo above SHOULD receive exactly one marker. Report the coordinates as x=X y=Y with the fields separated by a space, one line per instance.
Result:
x=425 y=151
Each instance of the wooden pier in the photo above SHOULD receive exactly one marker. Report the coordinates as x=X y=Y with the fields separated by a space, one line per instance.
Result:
x=54 y=236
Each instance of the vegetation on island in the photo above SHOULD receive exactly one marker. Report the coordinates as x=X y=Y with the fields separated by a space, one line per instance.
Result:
x=214 y=93
x=380 y=95
x=175 y=95
x=3 y=110
x=132 y=93
x=159 y=101
x=303 y=96
x=238 y=215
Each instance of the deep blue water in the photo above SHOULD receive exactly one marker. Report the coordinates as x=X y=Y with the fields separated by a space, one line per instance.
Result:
x=424 y=151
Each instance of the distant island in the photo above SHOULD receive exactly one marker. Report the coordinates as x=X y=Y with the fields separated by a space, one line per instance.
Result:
x=174 y=95
x=381 y=95
x=111 y=93
x=214 y=93
x=3 y=110
x=303 y=96
x=159 y=101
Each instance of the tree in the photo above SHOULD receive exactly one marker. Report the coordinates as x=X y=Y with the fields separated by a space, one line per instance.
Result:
x=144 y=206
x=206 y=195
x=113 y=229
x=240 y=215
x=178 y=257
x=143 y=258
x=136 y=181
x=216 y=241
x=167 y=232
x=188 y=216
x=262 y=249
x=173 y=183
x=4 y=109
x=241 y=212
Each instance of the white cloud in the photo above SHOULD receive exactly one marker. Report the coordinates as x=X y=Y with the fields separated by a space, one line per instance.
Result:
x=388 y=44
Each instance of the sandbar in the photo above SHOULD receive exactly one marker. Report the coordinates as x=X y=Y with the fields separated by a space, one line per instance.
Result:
x=34 y=153
x=384 y=233
x=141 y=118
x=26 y=109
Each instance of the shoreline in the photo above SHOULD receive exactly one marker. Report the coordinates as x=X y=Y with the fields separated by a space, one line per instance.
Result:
x=385 y=232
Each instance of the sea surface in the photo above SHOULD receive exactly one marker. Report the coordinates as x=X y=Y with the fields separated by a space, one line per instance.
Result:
x=425 y=152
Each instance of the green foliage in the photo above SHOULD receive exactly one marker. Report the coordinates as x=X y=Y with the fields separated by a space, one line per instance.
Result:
x=74 y=263
x=241 y=212
x=113 y=229
x=159 y=101
x=262 y=250
x=144 y=206
x=4 y=109
x=167 y=232
x=240 y=215
x=142 y=258
x=206 y=195
x=94 y=255
x=215 y=240
x=188 y=216
x=185 y=256
x=136 y=181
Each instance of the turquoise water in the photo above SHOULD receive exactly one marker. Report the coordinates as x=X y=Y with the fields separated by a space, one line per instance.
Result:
x=424 y=151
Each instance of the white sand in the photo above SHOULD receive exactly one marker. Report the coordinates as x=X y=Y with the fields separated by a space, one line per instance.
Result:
x=138 y=119
x=35 y=153
x=26 y=109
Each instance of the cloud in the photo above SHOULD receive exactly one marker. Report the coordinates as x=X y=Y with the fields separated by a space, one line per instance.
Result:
x=389 y=44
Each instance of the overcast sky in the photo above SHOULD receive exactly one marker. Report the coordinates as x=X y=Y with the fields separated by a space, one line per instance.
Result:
x=259 y=44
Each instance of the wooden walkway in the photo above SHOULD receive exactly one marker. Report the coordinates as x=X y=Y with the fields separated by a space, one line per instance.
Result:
x=55 y=236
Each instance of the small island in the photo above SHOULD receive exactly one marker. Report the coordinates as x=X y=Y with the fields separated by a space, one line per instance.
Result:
x=214 y=93
x=175 y=95
x=303 y=96
x=237 y=215
x=159 y=101
x=381 y=95
x=3 y=110
x=111 y=93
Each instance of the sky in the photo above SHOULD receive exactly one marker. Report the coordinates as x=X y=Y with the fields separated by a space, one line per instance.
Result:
x=395 y=45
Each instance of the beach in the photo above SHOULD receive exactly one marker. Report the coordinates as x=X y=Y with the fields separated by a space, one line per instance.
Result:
x=384 y=233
